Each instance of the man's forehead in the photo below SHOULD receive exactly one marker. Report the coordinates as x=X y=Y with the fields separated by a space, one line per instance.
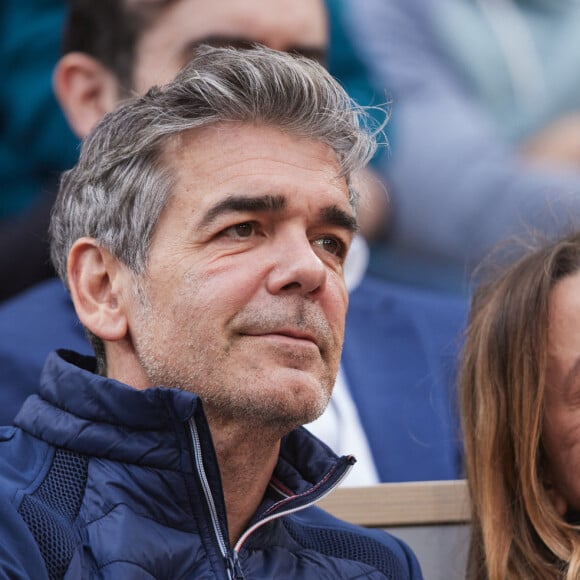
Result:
x=253 y=159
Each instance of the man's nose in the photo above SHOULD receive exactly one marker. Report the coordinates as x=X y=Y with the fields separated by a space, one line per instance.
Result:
x=297 y=267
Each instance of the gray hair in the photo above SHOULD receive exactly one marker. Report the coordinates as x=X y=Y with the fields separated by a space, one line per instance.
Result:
x=121 y=183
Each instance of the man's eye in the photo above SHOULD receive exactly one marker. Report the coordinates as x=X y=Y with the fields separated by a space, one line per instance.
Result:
x=331 y=245
x=243 y=230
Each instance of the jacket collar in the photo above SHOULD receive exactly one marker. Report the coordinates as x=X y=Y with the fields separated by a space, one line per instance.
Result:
x=93 y=415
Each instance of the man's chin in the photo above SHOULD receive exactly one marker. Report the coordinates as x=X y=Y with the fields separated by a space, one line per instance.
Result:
x=288 y=405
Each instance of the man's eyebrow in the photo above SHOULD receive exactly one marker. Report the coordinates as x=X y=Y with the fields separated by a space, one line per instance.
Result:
x=235 y=203
x=335 y=216
x=332 y=215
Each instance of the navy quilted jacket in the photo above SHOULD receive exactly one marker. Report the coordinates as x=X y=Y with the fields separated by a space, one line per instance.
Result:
x=99 y=480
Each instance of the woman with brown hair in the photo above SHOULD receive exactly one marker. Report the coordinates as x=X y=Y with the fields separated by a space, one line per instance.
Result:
x=520 y=404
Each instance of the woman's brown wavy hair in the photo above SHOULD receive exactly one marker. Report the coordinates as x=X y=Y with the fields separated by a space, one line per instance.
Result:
x=516 y=532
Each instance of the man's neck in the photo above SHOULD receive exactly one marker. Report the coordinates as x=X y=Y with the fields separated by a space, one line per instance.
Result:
x=246 y=461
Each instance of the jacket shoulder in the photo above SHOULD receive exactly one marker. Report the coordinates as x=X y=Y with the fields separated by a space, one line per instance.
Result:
x=376 y=295
x=22 y=459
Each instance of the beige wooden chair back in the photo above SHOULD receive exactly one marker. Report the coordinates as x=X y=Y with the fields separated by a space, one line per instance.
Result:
x=401 y=504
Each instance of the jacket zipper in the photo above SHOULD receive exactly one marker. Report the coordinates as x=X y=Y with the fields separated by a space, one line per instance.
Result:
x=230 y=556
x=286 y=512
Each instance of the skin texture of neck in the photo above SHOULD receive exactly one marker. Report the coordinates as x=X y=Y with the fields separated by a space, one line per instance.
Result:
x=247 y=458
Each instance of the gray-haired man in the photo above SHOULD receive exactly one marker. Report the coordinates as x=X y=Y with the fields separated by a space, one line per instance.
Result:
x=202 y=235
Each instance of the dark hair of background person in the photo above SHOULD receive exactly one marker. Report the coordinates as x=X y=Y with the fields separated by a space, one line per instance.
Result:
x=516 y=531
x=109 y=31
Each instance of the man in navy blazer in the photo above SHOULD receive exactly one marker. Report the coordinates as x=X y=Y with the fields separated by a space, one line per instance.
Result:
x=400 y=358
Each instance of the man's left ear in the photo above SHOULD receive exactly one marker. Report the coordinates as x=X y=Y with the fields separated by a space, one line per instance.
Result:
x=95 y=280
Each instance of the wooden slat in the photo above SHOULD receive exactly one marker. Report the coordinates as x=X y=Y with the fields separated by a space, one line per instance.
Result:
x=401 y=504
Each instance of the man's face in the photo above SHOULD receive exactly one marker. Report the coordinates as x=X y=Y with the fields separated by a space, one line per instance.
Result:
x=244 y=300
x=289 y=25
x=561 y=428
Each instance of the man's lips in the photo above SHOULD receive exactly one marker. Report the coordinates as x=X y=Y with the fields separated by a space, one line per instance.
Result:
x=290 y=333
